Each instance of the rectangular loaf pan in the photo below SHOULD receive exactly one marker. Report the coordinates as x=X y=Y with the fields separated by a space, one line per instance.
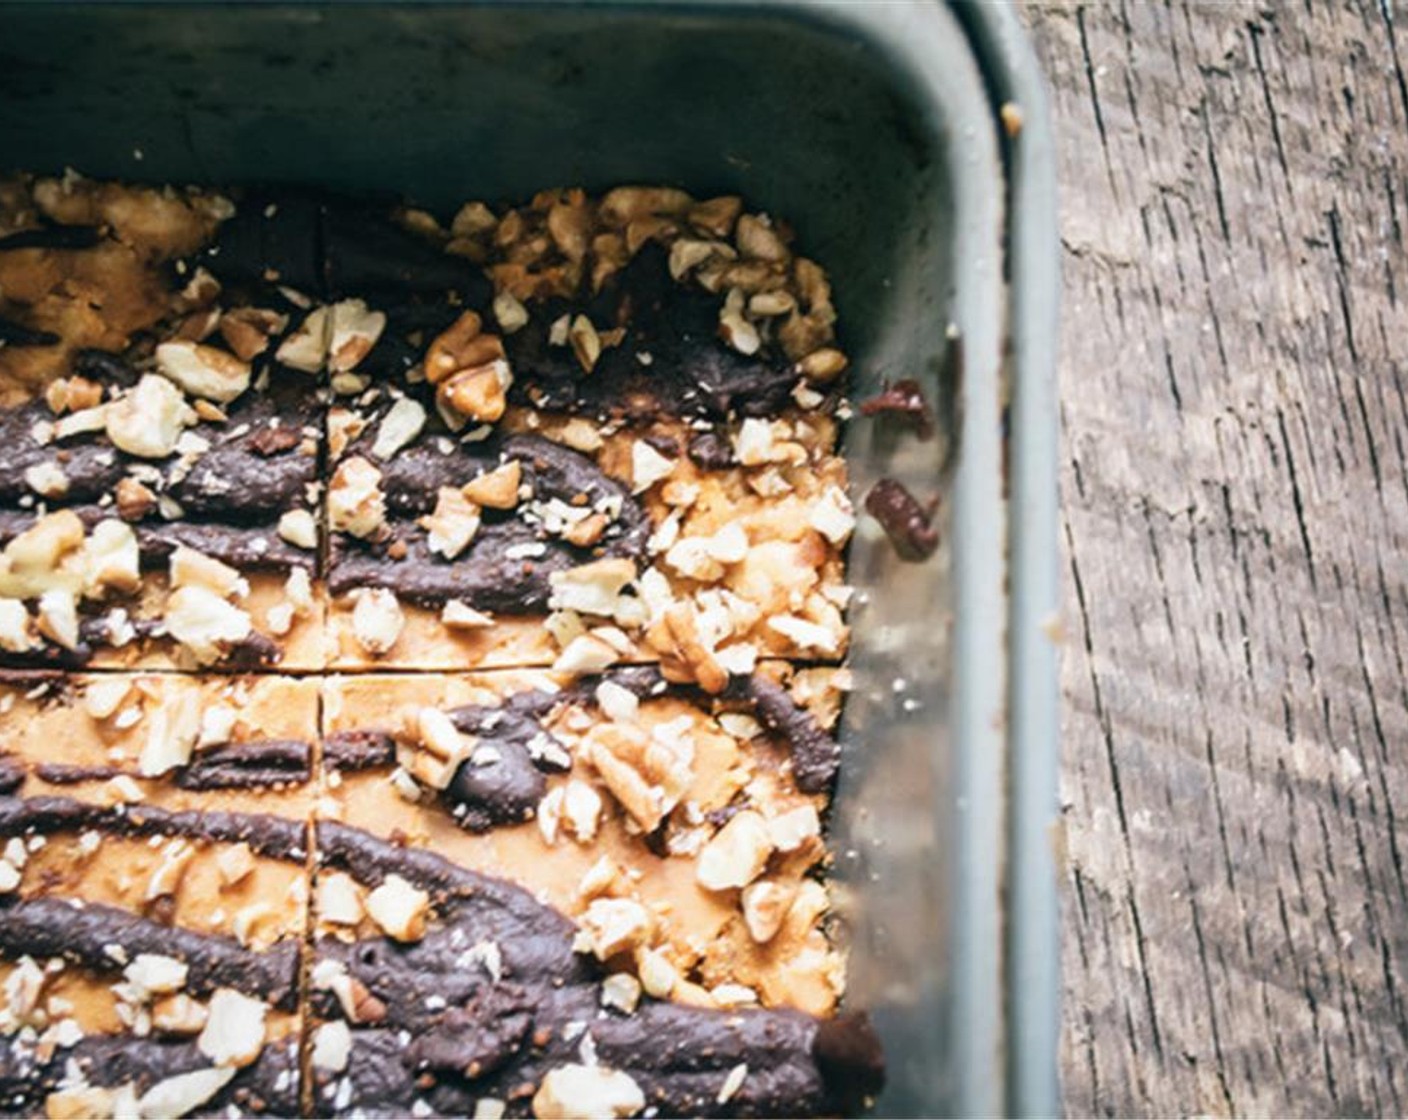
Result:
x=872 y=127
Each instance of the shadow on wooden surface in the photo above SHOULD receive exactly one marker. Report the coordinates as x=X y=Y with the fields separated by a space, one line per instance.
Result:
x=1234 y=380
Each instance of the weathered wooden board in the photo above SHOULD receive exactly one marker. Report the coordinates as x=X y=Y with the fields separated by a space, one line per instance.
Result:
x=1234 y=379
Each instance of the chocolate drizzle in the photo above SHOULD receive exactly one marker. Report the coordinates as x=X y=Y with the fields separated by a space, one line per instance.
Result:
x=248 y=765
x=82 y=933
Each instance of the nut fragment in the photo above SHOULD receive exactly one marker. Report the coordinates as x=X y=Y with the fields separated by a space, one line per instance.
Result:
x=737 y=853
x=593 y=588
x=453 y=523
x=134 y=501
x=152 y=974
x=46 y=555
x=457 y=615
x=112 y=560
x=613 y=925
x=247 y=330
x=377 y=620
x=461 y=346
x=58 y=617
x=306 y=349
x=179 y=1014
x=190 y=568
x=477 y=393
x=298 y=527
x=765 y=907
x=184 y=1093
x=585 y=342
x=234 y=1028
x=235 y=864
x=736 y=330
x=435 y=746
x=147 y=420
x=353 y=332
x=498 y=488
x=648 y=466
x=172 y=734
x=578 y=1092
x=399 y=909
x=203 y=371
x=15 y=632
x=355 y=502
x=510 y=313
x=205 y=623
x=47 y=479
x=339 y=900
x=402 y=423
x=332 y=1046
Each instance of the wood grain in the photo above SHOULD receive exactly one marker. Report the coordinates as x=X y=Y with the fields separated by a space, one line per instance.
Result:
x=1234 y=377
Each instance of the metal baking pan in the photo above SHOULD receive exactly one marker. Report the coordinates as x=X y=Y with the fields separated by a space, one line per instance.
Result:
x=873 y=127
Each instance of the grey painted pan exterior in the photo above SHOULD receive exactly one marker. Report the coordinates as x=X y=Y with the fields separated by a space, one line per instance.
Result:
x=872 y=127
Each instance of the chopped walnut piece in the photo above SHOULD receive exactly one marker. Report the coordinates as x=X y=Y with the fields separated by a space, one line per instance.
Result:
x=234 y=1028
x=235 y=864
x=190 y=568
x=298 y=527
x=737 y=854
x=112 y=560
x=823 y=365
x=646 y=775
x=436 y=746
x=461 y=346
x=453 y=523
x=203 y=371
x=205 y=623
x=57 y=617
x=592 y=1092
x=344 y=426
x=353 y=331
x=185 y=1092
x=716 y=216
x=403 y=422
x=247 y=330
x=498 y=488
x=16 y=634
x=355 y=502
x=765 y=906
x=478 y=393
x=613 y=925
x=47 y=555
x=179 y=1014
x=457 y=615
x=134 y=501
x=399 y=909
x=511 y=314
x=306 y=349
x=593 y=588
x=734 y=328
x=147 y=420
x=332 y=1047
x=47 y=479
x=377 y=620
x=756 y=238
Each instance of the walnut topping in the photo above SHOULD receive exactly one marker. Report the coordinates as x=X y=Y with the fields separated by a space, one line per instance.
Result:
x=103 y=696
x=344 y=426
x=453 y=523
x=298 y=527
x=431 y=747
x=478 y=393
x=49 y=554
x=339 y=899
x=737 y=854
x=235 y=864
x=461 y=346
x=16 y=635
x=147 y=420
x=402 y=423
x=355 y=501
x=354 y=330
x=166 y=880
x=247 y=330
x=332 y=1046
x=734 y=328
x=648 y=466
x=234 y=1028
x=203 y=371
x=647 y=774
x=587 y=1091
x=79 y=1102
x=399 y=909
x=576 y=805
x=112 y=560
x=765 y=906
x=190 y=568
x=306 y=349
x=585 y=342
x=85 y=420
x=184 y=1093
x=205 y=623
x=47 y=479
x=613 y=925
x=823 y=365
x=134 y=501
x=178 y=1014
x=621 y=990
x=593 y=588
x=833 y=516
x=790 y=830
x=807 y=635
x=58 y=617
x=377 y=620
x=172 y=735
x=457 y=615
x=498 y=488
x=510 y=313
